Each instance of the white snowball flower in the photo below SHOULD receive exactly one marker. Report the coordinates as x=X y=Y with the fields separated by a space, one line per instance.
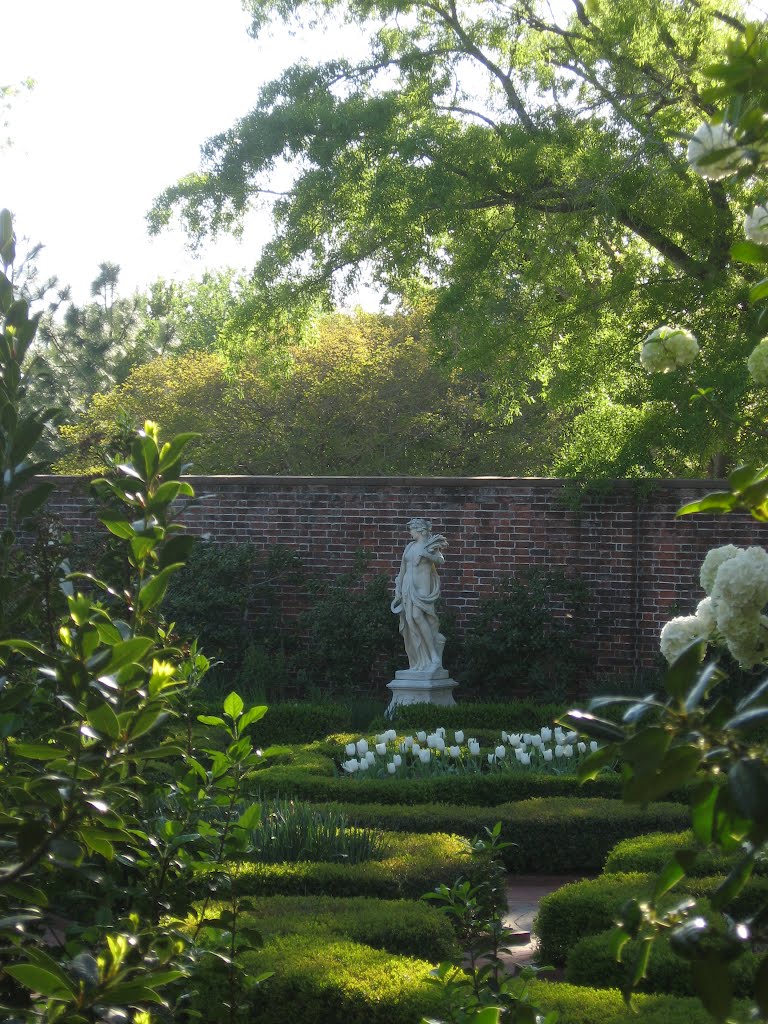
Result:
x=742 y=581
x=756 y=225
x=668 y=348
x=678 y=634
x=714 y=559
x=757 y=364
x=705 y=613
x=746 y=633
x=713 y=152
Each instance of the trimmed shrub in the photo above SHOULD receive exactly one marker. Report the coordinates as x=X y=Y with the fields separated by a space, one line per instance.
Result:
x=513 y=715
x=566 y=834
x=576 y=1005
x=592 y=962
x=404 y=927
x=590 y=907
x=414 y=865
x=304 y=721
x=484 y=790
x=651 y=853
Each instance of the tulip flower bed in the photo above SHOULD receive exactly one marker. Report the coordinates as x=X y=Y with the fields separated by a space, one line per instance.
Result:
x=415 y=756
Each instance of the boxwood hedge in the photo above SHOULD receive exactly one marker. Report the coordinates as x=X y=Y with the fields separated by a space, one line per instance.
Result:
x=561 y=834
x=589 y=907
x=593 y=962
x=651 y=853
x=414 y=865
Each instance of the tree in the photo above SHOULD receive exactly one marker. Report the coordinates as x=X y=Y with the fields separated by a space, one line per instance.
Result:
x=529 y=169
x=362 y=396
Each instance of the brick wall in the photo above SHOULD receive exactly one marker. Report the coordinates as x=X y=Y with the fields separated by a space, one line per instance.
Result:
x=639 y=563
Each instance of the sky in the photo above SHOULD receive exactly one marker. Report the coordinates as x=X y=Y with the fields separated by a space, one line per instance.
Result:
x=124 y=96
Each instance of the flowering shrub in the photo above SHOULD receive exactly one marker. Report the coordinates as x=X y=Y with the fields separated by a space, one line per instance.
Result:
x=551 y=750
x=668 y=348
x=736 y=580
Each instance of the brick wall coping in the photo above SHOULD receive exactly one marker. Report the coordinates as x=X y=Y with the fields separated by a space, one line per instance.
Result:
x=655 y=483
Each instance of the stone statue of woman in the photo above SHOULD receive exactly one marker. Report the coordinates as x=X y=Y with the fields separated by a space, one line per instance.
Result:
x=417 y=589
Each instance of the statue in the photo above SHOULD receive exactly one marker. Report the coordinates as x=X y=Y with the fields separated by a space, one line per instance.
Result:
x=417 y=589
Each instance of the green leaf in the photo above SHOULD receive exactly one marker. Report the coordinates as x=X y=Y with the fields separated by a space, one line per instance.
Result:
x=38 y=751
x=673 y=872
x=146 y=720
x=177 y=549
x=735 y=881
x=128 y=651
x=749 y=252
x=591 y=725
x=233 y=705
x=703 y=801
x=748 y=787
x=154 y=589
x=594 y=762
x=40 y=980
x=104 y=720
x=713 y=986
x=95 y=841
x=747 y=720
x=678 y=767
x=716 y=501
x=684 y=670
x=171 y=450
x=254 y=714
x=32 y=499
x=211 y=720
x=759 y=291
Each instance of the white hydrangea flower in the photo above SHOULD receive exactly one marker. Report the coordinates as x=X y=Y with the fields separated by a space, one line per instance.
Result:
x=714 y=559
x=757 y=364
x=711 y=139
x=705 y=613
x=668 y=348
x=746 y=634
x=678 y=634
x=742 y=581
x=756 y=225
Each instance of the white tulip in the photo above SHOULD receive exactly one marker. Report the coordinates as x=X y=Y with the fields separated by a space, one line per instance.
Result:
x=536 y=741
x=571 y=736
x=391 y=768
x=514 y=739
x=454 y=751
x=439 y=743
x=546 y=734
x=526 y=738
x=525 y=759
x=440 y=732
x=424 y=756
x=474 y=748
x=350 y=749
x=432 y=741
x=416 y=749
x=501 y=751
x=390 y=736
x=519 y=751
x=568 y=750
x=504 y=737
x=397 y=760
x=351 y=766
x=381 y=749
x=407 y=742
x=370 y=757
x=362 y=747
x=547 y=755
x=559 y=750
x=459 y=736
x=491 y=758
x=581 y=747
x=421 y=737
x=593 y=745
x=364 y=765
x=559 y=735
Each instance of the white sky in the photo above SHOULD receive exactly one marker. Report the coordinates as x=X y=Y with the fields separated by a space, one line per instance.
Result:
x=125 y=95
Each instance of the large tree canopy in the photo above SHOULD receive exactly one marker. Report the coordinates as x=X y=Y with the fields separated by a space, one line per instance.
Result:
x=527 y=166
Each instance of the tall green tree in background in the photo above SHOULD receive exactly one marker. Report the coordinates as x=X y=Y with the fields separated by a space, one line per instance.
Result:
x=527 y=165
x=361 y=396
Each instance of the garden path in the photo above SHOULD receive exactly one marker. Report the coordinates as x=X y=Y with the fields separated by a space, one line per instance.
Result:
x=524 y=893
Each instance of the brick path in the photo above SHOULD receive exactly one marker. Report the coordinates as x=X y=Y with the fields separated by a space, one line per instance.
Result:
x=523 y=895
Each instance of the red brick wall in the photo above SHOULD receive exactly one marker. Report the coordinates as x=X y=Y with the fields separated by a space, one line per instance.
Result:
x=639 y=562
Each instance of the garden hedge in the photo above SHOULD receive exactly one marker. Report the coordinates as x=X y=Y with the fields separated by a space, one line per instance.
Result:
x=564 y=834
x=593 y=962
x=651 y=853
x=590 y=907
x=414 y=865
x=514 y=716
x=315 y=784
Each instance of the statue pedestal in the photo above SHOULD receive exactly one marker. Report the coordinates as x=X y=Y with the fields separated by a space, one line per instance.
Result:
x=431 y=686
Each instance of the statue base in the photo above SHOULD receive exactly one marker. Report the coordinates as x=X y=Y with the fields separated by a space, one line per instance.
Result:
x=427 y=686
